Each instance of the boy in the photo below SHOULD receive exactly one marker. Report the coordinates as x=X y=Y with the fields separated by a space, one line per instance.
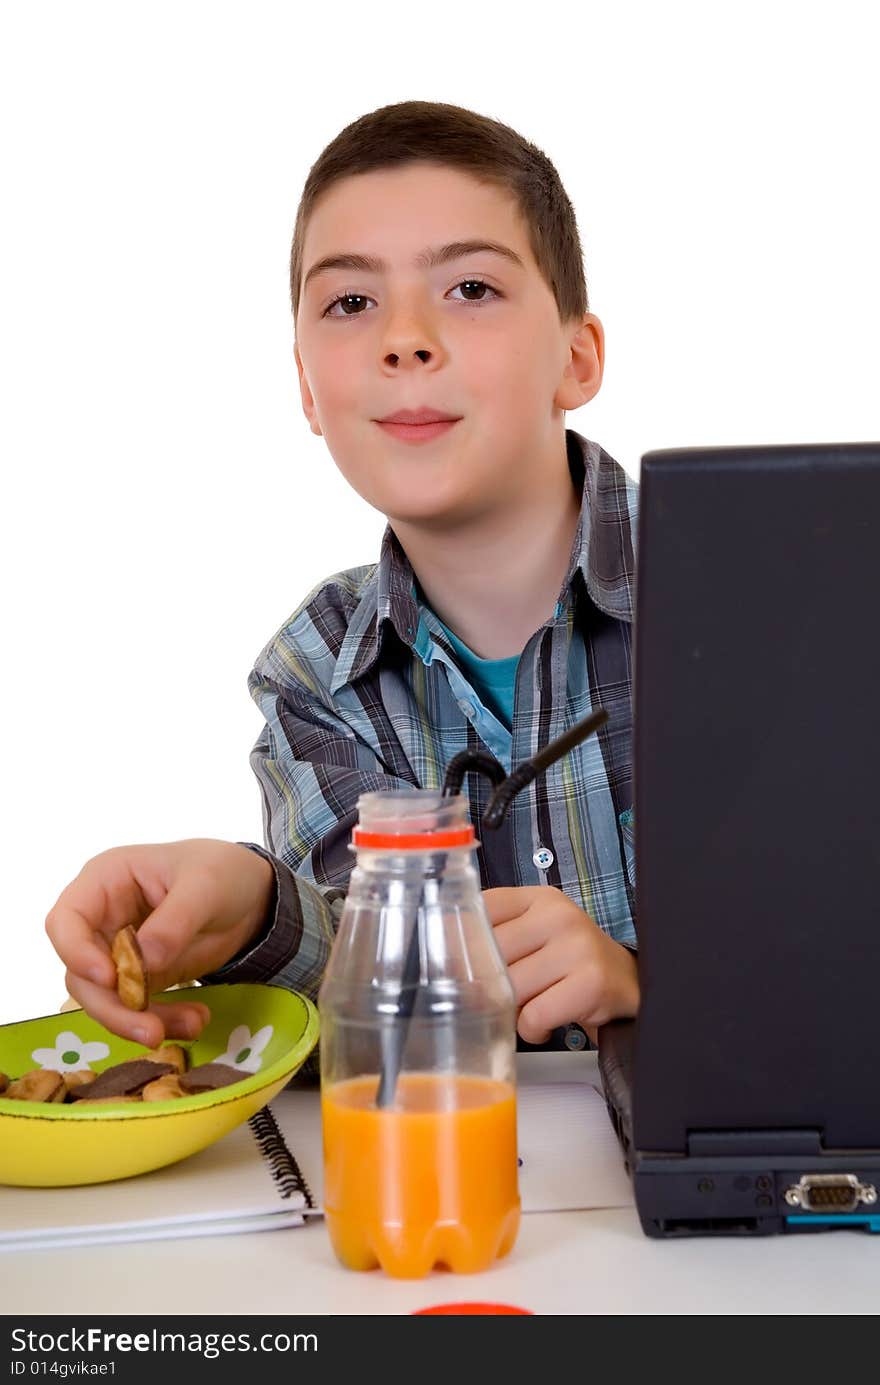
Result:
x=441 y=332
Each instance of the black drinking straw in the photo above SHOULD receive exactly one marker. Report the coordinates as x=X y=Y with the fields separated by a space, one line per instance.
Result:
x=507 y=786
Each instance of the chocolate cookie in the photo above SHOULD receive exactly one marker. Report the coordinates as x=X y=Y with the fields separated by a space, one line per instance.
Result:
x=124 y=1079
x=210 y=1076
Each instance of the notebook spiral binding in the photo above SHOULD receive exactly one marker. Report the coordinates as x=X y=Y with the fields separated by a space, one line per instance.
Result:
x=284 y=1167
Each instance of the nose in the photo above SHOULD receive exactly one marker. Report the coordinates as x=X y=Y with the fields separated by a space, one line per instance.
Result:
x=410 y=338
x=394 y=358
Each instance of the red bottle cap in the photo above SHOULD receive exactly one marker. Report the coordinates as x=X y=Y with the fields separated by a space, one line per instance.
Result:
x=419 y=841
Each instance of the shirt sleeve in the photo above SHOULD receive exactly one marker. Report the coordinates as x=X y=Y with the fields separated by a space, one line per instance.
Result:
x=311 y=769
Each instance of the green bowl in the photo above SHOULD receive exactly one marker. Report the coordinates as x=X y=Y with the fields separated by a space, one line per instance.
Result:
x=267 y=1032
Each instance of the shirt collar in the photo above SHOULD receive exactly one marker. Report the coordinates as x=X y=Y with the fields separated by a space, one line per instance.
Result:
x=602 y=553
x=604 y=546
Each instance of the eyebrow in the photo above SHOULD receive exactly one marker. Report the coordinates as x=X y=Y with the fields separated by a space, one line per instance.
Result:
x=427 y=259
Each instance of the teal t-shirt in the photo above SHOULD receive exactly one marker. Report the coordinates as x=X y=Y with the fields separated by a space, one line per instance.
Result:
x=493 y=680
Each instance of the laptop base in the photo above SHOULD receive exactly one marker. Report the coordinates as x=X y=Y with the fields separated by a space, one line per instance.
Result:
x=749 y=1197
x=736 y=1182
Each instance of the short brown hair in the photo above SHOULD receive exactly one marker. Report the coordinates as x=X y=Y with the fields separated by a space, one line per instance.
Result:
x=433 y=132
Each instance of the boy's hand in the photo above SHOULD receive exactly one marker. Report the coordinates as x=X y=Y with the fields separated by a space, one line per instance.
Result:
x=564 y=969
x=199 y=901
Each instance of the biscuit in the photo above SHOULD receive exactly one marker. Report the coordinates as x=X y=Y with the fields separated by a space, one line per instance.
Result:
x=164 y=1088
x=156 y=1076
x=168 y=1053
x=42 y=1084
x=83 y=1078
x=132 y=978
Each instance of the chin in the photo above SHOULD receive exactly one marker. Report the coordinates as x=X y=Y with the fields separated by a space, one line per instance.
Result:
x=430 y=514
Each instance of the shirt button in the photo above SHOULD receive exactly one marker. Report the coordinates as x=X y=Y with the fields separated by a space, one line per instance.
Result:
x=575 y=1038
x=467 y=707
x=543 y=858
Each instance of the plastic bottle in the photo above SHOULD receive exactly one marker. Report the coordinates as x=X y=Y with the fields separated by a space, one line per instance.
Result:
x=418 y=1042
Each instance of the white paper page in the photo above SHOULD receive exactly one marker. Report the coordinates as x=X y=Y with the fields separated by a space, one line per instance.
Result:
x=106 y=1235
x=227 y=1180
x=570 y=1154
x=571 y=1157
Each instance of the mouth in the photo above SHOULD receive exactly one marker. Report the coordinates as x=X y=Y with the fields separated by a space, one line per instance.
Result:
x=417 y=425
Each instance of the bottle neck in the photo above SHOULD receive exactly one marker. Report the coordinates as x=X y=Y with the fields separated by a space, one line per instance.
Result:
x=416 y=863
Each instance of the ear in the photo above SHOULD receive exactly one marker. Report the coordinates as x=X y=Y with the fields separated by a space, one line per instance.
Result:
x=583 y=372
x=308 y=401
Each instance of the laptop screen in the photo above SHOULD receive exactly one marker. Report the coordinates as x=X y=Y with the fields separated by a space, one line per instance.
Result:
x=757 y=792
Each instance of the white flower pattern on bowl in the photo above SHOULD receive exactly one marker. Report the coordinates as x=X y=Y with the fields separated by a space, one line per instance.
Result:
x=244 y=1049
x=70 y=1053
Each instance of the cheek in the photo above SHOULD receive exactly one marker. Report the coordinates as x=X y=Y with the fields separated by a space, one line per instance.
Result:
x=502 y=367
x=331 y=374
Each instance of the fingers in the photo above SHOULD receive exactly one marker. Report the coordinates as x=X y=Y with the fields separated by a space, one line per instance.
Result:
x=554 y=929
x=181 y=1020
x=537 y=973
x=509 y=902
x=552 y=991
x=519 y=937
x=562 y=1003
x=163 y=1019
x=74 y=928
x=104 y=1005
x=106 y=896
x=173 y=925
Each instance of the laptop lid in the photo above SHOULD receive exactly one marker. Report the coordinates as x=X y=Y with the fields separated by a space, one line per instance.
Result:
x=757 y=793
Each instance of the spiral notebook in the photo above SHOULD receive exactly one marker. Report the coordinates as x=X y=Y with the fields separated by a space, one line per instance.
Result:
x=248 y=1181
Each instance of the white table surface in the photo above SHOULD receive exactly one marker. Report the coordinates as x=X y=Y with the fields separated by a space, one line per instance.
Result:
x=563 y=1262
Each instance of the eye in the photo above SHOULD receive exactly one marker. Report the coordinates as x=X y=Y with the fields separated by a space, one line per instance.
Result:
x=349 y=302
x=346 y=299
x=476 y=284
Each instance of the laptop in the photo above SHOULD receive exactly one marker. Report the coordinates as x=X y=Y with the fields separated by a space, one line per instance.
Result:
x=746 y=1096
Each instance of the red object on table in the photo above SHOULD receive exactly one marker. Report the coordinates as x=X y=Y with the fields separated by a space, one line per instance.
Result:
x=462 y=1309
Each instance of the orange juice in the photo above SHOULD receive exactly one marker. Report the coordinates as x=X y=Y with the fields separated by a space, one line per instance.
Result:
x=431 y=1181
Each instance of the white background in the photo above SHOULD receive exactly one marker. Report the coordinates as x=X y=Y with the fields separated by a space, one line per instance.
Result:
x=164 y=505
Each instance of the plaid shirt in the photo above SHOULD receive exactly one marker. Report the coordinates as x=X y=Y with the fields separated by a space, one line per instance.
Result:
x=361 y=692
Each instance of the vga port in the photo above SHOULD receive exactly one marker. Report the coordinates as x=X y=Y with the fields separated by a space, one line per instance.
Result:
x=830 y=1192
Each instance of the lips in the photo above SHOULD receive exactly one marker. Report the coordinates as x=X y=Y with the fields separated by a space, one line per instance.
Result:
x=417 y=425
x=418 y=432
x=419 y=416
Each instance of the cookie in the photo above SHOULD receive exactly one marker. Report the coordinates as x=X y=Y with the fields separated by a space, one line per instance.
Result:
x=132 y=978
x=168 y=1053
x=84 y=1078
x=39 y=1085
x=124 y=1079
x=209 y=1077
x=165 y=1088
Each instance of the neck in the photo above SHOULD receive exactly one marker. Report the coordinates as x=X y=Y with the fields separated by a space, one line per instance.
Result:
x=495 y=579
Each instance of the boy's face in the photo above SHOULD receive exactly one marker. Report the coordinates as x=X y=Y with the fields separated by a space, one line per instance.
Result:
x=496 y=358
